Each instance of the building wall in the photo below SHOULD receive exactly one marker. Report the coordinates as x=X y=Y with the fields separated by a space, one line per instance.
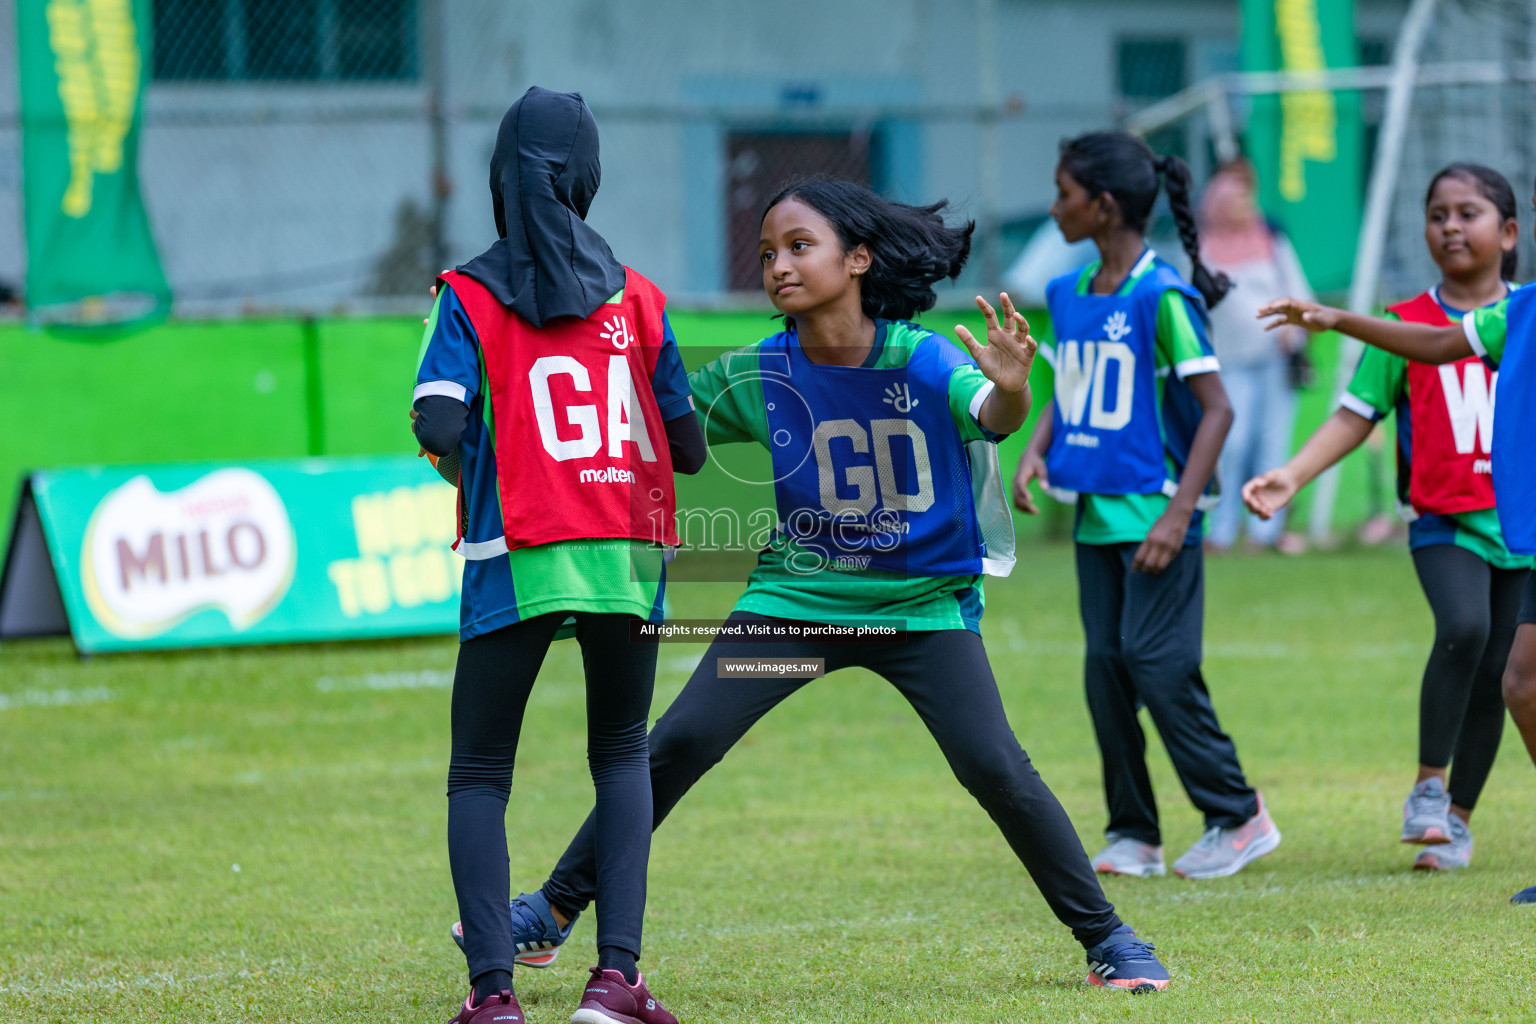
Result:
x=661 y=200
x=291 y=193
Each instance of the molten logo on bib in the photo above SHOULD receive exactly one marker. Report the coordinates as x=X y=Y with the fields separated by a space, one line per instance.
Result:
x=151 y=560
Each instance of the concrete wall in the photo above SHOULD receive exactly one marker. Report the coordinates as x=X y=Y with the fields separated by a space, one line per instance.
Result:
x=289 y=193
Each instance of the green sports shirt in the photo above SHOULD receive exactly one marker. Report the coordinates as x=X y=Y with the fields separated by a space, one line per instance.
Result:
x=1487 y=330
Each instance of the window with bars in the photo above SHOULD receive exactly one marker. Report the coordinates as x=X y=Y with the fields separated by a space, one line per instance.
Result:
x=285 y=40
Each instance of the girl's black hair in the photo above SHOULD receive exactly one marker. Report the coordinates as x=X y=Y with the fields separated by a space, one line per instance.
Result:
x=910 y=248
x=1124 y=167
x=1495 y=188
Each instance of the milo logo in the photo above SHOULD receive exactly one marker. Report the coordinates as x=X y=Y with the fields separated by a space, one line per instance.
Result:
x=151 y=560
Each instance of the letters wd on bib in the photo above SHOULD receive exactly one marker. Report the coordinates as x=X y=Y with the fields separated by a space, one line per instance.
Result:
x=138 y=557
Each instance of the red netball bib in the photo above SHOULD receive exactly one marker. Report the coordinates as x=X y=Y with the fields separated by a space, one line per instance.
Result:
x=1451 y=417
x=581 y=451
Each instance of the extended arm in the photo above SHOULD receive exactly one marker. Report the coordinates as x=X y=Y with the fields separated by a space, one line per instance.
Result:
x=1339 y=435
x=1005 y=411
x=1421 y=342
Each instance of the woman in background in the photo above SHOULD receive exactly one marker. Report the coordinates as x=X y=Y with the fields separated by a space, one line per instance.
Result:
x=1261 y=370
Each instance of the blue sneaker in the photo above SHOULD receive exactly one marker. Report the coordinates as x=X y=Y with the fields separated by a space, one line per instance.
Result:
x=1124 y=962
x=535 y=935
x=1524 y=896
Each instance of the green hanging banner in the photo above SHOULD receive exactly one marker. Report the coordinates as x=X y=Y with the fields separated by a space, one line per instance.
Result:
x=91 y=259
x=1306 y=145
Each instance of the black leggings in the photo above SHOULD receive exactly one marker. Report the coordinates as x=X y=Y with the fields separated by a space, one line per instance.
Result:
x=946 y=678
x=490 y=692
x=1461 y=705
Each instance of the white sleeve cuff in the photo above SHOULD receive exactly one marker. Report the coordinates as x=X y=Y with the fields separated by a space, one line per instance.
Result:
x=446 y=388
x=1192 y=367
x=1359 y=406
x=1469 y=328
x=979 y=398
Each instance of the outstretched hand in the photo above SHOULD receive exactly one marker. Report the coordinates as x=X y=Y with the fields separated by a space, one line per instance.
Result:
x=1299 y=312
x=1009 y=353
x=1270 y=492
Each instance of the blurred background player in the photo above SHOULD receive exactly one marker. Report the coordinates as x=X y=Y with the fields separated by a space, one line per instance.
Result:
x=1261 y=372
x=1503 y=335
x=848 y=269
x=551 y=371
x=1132 y=438
x=1445 y=419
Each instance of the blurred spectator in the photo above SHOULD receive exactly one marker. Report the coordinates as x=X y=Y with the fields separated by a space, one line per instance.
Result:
x=1261 y=369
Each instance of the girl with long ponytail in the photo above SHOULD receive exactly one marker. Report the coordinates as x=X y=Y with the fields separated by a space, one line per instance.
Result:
x=1131 y=438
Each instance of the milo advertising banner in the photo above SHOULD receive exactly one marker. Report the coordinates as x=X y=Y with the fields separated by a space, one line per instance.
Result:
x=263 y=552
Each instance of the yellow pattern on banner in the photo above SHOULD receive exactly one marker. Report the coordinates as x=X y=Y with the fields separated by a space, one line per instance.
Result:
x=96 y=55
x=1309 y=120
x=403 y=555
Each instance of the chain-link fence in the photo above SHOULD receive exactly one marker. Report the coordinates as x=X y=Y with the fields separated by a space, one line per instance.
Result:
x=1474 y=100
x=316 y=155
x=1491 y=122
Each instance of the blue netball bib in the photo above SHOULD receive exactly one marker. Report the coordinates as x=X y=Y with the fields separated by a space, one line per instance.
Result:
x=869 y=468
x=1108 y=435
x=1514 y=427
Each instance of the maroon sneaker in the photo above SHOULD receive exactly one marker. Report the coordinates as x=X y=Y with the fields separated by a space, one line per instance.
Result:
x=502 y=1007
x=609 y=999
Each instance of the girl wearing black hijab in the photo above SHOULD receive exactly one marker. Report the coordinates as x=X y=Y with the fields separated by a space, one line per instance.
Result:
x=552 y=394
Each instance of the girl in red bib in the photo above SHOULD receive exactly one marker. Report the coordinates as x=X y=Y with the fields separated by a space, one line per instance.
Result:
x=552 y=394
x=1445 y=484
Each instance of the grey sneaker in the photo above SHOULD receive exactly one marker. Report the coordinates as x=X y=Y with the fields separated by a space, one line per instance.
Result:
x=1129 y=857
x=1226 y=851
x=1448 y=856
x=1426 y=814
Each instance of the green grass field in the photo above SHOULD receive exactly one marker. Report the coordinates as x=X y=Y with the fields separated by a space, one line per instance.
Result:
x=258 y=835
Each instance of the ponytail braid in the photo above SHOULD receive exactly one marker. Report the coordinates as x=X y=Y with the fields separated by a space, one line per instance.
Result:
x=1178 y=181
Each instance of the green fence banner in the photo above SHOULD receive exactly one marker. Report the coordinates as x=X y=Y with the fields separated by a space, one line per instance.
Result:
x=91 y=259
x=1306 y=145
x=262 y=552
